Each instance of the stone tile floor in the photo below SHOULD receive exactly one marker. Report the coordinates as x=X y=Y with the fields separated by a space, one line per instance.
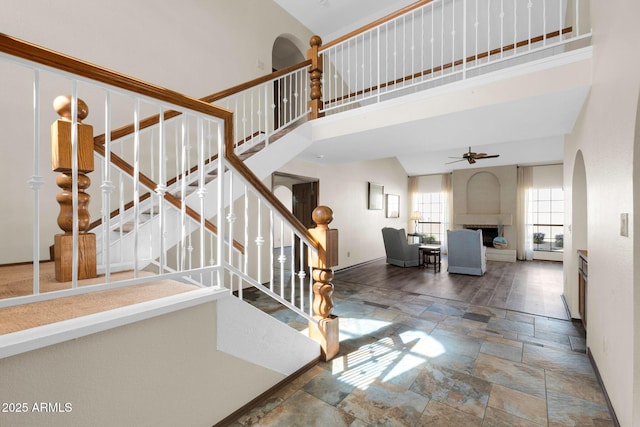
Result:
x=415 y=360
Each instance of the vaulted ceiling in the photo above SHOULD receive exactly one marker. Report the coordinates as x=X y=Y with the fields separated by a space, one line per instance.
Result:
x=527 y=128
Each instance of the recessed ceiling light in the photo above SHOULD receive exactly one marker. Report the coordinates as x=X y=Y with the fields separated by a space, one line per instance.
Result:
x=319 y=156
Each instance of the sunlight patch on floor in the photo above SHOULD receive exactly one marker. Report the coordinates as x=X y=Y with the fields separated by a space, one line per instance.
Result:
x=384 y=359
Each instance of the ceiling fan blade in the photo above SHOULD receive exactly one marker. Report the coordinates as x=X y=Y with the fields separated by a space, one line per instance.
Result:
x=489 y=157
x=455 y=161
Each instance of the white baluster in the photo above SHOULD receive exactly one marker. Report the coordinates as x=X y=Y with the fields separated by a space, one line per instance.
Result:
x=544 y=22
x=259 y=241
x=529 y=5
x=202 y=190
x=577 y=19
x=36 y=182
x=107 y=188
x=161 y=189
x=272 y=249
x=464 y=39
x=501 y=28
x=136 y=186
x=221 y=224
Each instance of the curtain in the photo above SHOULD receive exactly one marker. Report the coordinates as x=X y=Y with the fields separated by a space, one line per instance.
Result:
x=447 y=210
x=413 y=201
x=524 y=216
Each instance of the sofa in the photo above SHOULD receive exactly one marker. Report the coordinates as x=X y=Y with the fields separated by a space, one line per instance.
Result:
x=399 y=251
x=467 y=254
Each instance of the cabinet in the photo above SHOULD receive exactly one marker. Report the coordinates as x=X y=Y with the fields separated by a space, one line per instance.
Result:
x=583 y=274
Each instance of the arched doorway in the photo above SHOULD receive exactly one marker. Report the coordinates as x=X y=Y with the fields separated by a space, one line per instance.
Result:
x=287 y=51
x=579 y=233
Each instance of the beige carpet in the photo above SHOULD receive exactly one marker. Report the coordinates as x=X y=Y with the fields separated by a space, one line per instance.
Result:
x=17 y=281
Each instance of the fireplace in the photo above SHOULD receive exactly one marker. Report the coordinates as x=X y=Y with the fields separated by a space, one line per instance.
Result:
x=489 y=232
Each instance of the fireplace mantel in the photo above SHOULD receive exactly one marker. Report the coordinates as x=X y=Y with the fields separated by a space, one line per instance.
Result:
x=483 y=219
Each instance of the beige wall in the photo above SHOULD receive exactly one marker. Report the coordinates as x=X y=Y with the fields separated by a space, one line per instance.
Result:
x=506 y=176
x=165 y=371
x=196 y=47
x=343 y=188
x=605 y=135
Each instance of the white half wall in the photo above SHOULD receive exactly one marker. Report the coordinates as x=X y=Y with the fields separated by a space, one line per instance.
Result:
x=164 y=371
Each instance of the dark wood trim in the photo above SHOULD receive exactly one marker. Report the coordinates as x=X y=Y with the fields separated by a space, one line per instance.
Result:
x=612 y=411
x=374 y=24
x=50 y=58
x=459 y=62
x=231 y=418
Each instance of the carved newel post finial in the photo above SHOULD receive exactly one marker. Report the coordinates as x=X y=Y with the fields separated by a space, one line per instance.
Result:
x=315 y=72
x=61 y=161
x=326 y=330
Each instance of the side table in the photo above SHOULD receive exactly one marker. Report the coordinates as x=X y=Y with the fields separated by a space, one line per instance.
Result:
x=431 y=256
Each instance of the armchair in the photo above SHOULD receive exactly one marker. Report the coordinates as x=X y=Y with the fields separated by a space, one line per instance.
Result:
x=467 y=254
x=399 y=251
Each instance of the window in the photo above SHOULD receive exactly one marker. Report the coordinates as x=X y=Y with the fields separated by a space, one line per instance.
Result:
x=431 y=208
x=548 y=219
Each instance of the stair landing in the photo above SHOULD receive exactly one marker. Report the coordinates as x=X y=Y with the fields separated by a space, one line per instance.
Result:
x=17 y=281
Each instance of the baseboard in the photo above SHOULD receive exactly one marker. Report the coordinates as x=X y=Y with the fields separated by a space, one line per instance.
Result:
x=231 y=418
x=359 y=264
x=614 y=418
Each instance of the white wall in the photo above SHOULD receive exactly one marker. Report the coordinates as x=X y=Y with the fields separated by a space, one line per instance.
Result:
x=343 y=187
x=195 y=47
x=605 y=134
x=165 y=371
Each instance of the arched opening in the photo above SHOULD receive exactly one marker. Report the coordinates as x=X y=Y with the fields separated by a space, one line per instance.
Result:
x=579 y=235
x=483 y=194
x=286 y=51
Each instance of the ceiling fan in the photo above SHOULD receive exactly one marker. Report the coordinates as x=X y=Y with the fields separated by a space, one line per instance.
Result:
x=471 y=157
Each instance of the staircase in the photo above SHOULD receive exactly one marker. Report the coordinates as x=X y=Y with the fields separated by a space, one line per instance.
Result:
x=219 y=230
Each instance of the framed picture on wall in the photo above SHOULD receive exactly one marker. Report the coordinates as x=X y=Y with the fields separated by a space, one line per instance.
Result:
x=376 y=199
x=393 y=206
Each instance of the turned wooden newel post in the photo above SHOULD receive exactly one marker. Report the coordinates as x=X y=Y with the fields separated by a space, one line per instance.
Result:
x=315 y=71
x=61 y=162
x=326 y=331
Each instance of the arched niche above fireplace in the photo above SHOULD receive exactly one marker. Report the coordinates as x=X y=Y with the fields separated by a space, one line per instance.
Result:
x=483 y=193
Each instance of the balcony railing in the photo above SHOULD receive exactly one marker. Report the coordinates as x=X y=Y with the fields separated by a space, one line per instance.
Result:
x=432 y=43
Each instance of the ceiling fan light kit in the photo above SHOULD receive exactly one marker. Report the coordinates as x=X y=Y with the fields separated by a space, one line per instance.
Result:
x=471 y=157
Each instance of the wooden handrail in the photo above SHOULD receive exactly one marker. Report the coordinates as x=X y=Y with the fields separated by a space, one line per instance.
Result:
x=34 y=53
x=255 y=82
x=59 y=61
x=155 y=119
x=375 y=23
x=262 y=189
x=453 y=64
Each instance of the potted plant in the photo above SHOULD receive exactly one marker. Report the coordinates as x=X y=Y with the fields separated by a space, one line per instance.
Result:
x=538 y=238
x=430 y=239
x=559 y=240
